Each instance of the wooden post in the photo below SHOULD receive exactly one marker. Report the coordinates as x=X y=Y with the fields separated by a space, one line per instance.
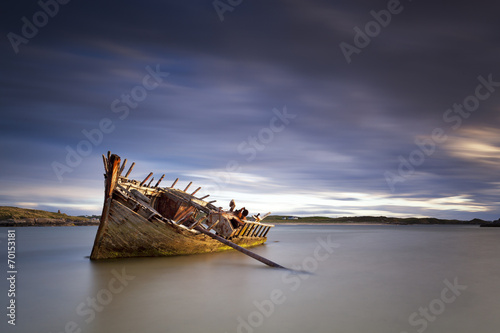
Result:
x=187 y=186
x=175 y=182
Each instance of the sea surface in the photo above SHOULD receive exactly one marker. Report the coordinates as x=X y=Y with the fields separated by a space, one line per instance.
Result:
x=374 y=279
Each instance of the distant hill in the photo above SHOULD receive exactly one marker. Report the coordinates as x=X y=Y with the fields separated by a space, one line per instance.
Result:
x=14 y=216
x=367 y=219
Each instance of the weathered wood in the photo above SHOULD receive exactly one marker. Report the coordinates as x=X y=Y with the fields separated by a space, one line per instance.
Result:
x=105 y=161
x=257 y=230
x=187 y=186
x=111 y=182
x=239 y=248
x=146 y=179
x=123 y=167
x=262 y=231
x=175 y=182
x=150 y=181
x=159 y=181
x=200 y=220
x=199 y=188
x=130 y=170
x=204 y=197
x=219 y=219
x=138 y=220
x=251 y=226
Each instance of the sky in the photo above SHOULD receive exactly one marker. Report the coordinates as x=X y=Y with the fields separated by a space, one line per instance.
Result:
x=331 y=108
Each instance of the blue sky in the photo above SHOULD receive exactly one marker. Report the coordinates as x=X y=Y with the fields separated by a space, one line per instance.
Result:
x=267 y=106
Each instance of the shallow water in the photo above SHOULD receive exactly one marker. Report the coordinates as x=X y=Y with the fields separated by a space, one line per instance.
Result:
x=363 y=279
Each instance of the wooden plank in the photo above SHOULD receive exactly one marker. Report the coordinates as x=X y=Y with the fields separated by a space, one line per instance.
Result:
x=130 y=170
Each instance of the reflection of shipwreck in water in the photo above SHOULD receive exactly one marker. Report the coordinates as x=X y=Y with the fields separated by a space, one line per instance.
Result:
x=142 y=220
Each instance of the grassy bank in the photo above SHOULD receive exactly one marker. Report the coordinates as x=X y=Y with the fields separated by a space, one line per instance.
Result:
x=15 y=213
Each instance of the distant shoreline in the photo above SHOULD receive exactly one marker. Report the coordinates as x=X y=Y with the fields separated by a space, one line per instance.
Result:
x=46 y=223
x=368 y=223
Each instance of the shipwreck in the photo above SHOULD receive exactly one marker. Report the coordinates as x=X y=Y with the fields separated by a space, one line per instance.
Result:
x=144 y=220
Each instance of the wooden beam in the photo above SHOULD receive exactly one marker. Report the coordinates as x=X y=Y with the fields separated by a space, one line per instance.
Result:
x=187 y=186
x=199 y=188
x=145 y=179
x=158 y=183
x=151 y=181
x=111 y=182
x=238 y=248
x=206 y=196
x=175 y=182
x=200 y=220
x=130 y=170
x=123 y=167
x=105 y=161
x=257 y=231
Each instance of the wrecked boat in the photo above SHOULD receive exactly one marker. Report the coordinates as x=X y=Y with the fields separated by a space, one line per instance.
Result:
x=144 y=220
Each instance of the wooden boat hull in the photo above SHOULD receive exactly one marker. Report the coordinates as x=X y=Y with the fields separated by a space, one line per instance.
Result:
x=131 y=227
x=130 y=235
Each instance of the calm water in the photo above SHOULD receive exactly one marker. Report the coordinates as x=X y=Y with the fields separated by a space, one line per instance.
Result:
x=364 y=279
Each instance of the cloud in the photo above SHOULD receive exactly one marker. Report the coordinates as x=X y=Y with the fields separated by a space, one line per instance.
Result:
x=225 y=78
